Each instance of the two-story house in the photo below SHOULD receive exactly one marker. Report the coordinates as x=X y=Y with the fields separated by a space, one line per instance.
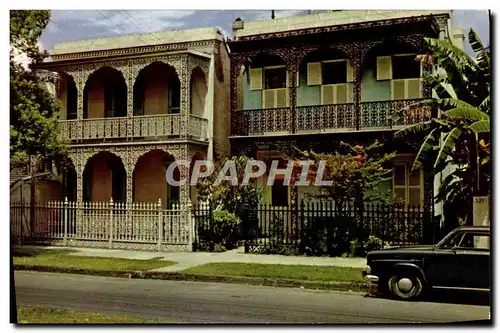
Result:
x=311 y=81
x=131 y=105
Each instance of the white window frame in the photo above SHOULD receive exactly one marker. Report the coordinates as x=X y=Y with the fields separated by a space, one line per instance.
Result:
x=407 y=185
x=264 y=90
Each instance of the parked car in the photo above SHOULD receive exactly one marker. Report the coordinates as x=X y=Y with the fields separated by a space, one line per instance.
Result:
x=461 y=260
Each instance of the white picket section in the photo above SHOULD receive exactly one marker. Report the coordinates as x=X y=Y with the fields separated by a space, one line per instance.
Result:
x=111 y=222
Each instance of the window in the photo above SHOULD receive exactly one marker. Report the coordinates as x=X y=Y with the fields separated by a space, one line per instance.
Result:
x=407 y=184
x=334 y=72
x=405 y=67
x=279 y=194
x=174 y=96
x=275 y=78
x=71 y=102
x=475 y=241
x=452 y=241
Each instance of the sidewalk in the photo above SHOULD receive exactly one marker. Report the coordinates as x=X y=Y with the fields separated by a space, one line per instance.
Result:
x=191 y=259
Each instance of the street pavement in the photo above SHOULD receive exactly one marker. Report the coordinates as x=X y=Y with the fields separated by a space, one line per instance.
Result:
x=200 y=302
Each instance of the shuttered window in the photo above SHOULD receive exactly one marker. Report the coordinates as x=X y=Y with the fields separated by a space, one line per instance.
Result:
x=407 y=185
x=256 y=79
x=406 y=89
x=384 y=70
x=335 y=94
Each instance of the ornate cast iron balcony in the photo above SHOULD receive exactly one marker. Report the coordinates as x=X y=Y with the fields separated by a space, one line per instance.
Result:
x=325 y=118
x=262 y=121
x=151 y=127
x=378 y=114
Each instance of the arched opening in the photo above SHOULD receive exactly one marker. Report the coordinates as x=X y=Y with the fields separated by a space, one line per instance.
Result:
x=325 y=77
x=105 y=94
x=390 y=72
x=68 y=96
x=150 y=179
x=157 y=90
x=104 y=177
x=198 y=92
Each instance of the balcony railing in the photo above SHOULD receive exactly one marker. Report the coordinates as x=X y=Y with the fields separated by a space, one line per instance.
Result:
x=262 y=121
x=378 y=114
x=151 y=127
x=326 y=118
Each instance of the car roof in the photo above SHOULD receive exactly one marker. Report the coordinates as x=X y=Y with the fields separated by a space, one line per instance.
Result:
x=475 y=228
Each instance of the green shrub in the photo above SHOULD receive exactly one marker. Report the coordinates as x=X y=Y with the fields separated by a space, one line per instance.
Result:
x=225 y=229
x=373 y=243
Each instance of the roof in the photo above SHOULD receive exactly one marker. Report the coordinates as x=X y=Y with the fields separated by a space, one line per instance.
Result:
x=138 y=40
x=330 y=18
x=475 y=228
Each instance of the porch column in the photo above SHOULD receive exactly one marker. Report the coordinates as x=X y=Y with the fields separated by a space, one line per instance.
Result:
x=130 y=75
x=185 y=80
x=291 y=68
x=81 y=80
x=356 y=57
x=236 y=123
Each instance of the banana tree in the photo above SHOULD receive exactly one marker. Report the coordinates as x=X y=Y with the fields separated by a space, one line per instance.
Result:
x=462 y=116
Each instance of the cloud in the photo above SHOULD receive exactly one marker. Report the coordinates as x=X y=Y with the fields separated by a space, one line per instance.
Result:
x=266 y=14
x=121 y=21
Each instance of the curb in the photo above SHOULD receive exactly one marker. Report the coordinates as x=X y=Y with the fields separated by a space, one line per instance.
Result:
x=286 y=283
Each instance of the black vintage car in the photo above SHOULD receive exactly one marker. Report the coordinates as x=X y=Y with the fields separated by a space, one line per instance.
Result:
x=461 y=260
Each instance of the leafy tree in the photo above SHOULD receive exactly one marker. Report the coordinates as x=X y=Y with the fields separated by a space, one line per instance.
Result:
x=33 y=110
x=225 y=195
x=356 y=172
x=455 y=136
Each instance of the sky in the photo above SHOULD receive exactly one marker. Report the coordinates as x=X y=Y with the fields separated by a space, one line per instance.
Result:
x=74 y=25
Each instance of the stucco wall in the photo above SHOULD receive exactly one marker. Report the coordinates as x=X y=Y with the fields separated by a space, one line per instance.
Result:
x=373 y=90
x=45 y=190
x=199 y=91
x=155 y=93
x=96 y=99
x=101 y=179
x=221 y=120
x=62 y=94
x=150 y=183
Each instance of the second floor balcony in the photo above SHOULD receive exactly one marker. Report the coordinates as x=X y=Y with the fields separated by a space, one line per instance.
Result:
x=326 y=92
x=154 y=108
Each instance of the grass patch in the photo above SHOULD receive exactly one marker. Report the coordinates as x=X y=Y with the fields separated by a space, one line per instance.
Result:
x=296 y=272
x=63 y=258
x=46 y=315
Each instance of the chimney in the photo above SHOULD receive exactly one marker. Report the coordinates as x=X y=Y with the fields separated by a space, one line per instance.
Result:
x=458 y=37
x=237 y=25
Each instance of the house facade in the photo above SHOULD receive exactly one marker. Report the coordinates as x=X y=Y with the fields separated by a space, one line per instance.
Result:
x=132 y=105
x=312 y=81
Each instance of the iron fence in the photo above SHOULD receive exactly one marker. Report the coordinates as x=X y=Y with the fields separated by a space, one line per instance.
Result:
x=320 y=228
x=137 y=225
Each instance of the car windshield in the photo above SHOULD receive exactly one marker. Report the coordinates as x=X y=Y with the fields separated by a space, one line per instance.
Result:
x=451 y=241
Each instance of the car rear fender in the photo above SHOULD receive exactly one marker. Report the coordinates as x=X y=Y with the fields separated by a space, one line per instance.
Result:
x=410 y=267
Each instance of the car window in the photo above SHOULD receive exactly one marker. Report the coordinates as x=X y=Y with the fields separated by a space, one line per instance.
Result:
x=452 y=241
x=475 y=241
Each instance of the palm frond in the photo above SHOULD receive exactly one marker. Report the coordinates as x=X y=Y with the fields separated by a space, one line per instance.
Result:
x=412 y=129
x=482 y=56
x=429 y=143
x=466 y=113
x=481 y=126
x=446 y=49
x=485 y=105
x=447 y=146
